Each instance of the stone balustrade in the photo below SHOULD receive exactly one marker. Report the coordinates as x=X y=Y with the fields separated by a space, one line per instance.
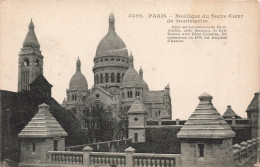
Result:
x=106 y=158
x=127 y=159
x=64 y=157
x=245 y=151
x=155 y=160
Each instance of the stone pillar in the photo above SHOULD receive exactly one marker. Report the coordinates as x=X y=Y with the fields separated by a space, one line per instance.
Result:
x=159 y=121
x=129 y=157
x=244 y=144
x=86 y=156
x=237 y=147
x=233 y=121
x=254 y=144
x=177 y=121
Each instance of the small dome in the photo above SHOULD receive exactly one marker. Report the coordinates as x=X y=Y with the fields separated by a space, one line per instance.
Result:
x=111 y=44
x=78 y=80
x=145 y=86
x=131 y=77
x=141 y=73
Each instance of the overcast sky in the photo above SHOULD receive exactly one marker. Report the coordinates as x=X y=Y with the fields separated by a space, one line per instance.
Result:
x=226 y=69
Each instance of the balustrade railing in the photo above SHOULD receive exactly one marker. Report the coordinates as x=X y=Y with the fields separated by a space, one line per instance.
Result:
x=107 y=159
x=245 y=151
x=127 y=159
x=65 y=157
x=155 y=160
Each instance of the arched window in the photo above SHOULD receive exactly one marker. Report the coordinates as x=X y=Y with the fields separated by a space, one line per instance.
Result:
x=118 y=77
x=97 y=79
x=112 y=77
x=37 y=63
x=128 y=94
x=123 y=76
x=106 y=77
x=123 y=95
x=26 y=62
x=131 y=94
x=136 y=94
x=101 y=78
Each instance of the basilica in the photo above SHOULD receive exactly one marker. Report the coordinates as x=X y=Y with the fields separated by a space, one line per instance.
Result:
x=117 y=84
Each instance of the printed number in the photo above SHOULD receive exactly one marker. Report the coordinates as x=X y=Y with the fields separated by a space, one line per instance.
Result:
x=135 y=15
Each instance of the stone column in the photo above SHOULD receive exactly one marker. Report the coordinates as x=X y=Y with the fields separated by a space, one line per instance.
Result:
x=86 y=156
x=129 y=157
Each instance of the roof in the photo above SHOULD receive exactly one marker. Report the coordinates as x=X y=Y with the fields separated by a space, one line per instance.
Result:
x=42 y=125
x=137 y=107
x=254 y=105
x=206 y=122
x=31 y=37
x=229 y=113
x=154 y=97
x=111 y=44
x=103 y=90
x=40 y=80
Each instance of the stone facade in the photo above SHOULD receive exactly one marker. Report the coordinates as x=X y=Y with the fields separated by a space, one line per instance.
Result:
x=116 y=84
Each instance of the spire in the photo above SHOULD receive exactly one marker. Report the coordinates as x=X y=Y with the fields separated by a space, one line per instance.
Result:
x=131 y=60
x=111 y=22
x=78 y=65
x=31 y=25
x=141 y=72
x=31 y=39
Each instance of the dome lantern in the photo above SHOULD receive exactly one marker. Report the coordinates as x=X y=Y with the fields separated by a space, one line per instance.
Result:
x=131 y=60
x=111 y=22
x=141 y=72
x=78 y=65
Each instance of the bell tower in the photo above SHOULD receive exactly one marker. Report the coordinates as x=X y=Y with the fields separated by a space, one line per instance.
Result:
x=30 y=60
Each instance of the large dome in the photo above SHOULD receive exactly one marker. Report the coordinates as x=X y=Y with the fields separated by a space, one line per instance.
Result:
x=78 y=80
x=111 y=44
